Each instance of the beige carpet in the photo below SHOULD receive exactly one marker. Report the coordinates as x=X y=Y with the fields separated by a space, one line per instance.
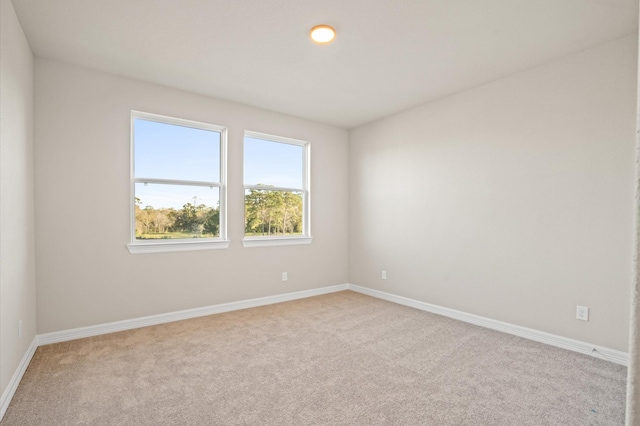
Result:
x=342 y=358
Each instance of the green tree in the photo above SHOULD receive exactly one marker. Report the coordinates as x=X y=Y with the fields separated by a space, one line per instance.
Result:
x=197 y=219
x=212 y=221
x=272 y=212
x=291 y=213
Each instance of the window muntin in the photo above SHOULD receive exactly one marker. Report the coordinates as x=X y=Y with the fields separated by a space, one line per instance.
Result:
x=178 y=183
x=276 y=184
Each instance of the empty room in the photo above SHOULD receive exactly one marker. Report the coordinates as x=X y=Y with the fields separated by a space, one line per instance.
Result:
x=416 y=212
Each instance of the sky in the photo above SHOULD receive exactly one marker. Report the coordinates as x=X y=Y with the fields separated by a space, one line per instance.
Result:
x=166 y=151
x=272 y=163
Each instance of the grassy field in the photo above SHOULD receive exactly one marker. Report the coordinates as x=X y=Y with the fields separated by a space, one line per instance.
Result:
x=182 y=235
x=260 y=234
x=173 y=236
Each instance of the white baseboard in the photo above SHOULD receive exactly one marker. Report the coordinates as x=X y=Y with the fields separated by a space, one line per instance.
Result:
x=612 y=355
x=10 y=390
x=96 y=330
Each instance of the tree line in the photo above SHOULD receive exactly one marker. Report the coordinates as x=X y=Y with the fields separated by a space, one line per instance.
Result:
x=266 y=213
x=272 y=212
x=196 y=220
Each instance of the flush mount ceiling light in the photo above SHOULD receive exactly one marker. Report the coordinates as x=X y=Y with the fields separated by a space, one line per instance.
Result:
x=322 y=34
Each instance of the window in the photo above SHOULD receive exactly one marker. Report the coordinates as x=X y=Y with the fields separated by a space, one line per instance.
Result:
x=276 y=190
x=177 y=184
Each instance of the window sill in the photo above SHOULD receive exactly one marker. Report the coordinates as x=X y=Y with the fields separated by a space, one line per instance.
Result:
x=169 y=246
x=275 y=241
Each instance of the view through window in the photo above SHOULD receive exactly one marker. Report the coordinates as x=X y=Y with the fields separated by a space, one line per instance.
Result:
x=177 y=178
x=276 y=186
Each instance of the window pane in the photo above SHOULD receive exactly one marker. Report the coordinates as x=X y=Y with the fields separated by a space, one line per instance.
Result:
x=273 y=163
x=176 y=211
x=167 y=151
x=272 y=213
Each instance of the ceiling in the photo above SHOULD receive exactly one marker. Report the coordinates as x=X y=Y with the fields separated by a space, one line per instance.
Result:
x=389 y=55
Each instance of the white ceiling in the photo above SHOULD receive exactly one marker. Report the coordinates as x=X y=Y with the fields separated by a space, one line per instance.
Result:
x=388 y=55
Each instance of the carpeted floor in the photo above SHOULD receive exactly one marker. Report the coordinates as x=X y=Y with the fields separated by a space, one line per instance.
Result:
x=337 y=359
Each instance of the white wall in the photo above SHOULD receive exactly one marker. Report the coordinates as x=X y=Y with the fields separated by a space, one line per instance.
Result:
x=17 y=267
x=87 y=276
x=512 y=201
x=633 y=372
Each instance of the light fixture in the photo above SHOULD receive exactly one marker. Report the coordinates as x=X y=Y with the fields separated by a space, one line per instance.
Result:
x=322 y=34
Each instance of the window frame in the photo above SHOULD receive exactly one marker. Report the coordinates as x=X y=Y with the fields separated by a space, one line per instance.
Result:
x=305 y=238
x=183 y=244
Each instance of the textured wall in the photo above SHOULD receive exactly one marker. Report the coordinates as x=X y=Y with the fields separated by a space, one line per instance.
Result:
x=633 y=377
x=512 y=201
x=87 y=276
x=17 y=264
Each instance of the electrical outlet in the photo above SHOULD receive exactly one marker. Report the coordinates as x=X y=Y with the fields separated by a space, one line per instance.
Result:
x=284 y=276
x=582 y=313
x=20 y=329
x=384 y=275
